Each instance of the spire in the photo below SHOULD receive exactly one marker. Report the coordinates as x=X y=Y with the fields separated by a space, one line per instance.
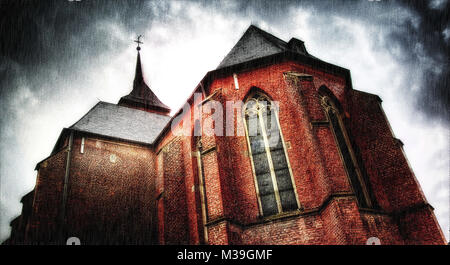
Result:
x=138 y=76
x=142 y=97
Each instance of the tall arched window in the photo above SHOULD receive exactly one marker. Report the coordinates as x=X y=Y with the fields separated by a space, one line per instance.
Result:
x=354 y=173
x=273 y=176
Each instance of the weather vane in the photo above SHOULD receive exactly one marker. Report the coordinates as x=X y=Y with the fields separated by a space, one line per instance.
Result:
x=138 y=41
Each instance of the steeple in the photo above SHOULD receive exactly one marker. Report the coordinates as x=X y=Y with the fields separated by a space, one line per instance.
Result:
x=142 y=97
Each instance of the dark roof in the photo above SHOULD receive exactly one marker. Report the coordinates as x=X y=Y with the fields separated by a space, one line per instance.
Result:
x=27 y=197
x=121 y=122
x=142 y=96
x=256 y=43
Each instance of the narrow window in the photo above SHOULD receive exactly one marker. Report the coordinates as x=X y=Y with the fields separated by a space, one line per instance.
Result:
x=347 y=154
x=82 y=145
x=273 y=177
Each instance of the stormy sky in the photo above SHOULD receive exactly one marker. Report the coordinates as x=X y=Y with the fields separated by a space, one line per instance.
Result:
x=58 y=58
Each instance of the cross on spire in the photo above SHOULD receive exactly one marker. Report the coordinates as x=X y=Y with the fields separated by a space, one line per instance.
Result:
x=138 y=41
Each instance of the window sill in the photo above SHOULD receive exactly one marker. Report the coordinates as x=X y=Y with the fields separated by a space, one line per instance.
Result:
x=282 y=215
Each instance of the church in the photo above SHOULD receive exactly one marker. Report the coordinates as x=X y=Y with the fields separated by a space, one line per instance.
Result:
x=316 y=163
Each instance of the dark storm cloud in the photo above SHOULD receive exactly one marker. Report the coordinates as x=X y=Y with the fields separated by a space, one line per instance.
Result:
x=38 y=31
x=433 y=97
x=60 y=35
x=39 y=34
x=44 y=40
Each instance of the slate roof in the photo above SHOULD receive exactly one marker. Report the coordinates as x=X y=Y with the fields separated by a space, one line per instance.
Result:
x=121 y=122
x=256 y=43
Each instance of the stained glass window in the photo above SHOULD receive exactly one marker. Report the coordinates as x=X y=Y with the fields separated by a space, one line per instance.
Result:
x=273 y=176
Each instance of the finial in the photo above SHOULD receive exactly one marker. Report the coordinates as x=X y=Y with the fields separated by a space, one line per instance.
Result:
x=138 y=41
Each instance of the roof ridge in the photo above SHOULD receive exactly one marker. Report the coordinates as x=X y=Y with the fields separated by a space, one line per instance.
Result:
x=242 y=36
x=91 y=109
x=254 y=43
x=269 y=36
x=125 y=107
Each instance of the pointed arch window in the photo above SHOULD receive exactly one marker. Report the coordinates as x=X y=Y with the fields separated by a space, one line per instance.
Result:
x=358 y=184
x=273 y=175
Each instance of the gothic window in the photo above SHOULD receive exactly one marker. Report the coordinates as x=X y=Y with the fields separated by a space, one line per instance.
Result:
x=353 y=171
x=273 y=176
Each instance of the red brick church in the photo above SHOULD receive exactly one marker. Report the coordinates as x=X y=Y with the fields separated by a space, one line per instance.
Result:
x=128 y=173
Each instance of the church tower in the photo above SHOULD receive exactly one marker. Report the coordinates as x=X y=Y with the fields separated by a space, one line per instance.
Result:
x=307 y=160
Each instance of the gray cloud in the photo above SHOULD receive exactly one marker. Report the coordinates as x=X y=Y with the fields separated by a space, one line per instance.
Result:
x=54 y=33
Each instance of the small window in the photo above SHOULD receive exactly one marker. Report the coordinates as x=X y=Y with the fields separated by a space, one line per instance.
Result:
x=273 y=177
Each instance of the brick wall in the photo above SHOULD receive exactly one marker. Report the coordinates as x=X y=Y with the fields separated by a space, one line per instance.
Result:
x=110 y=192
x=318 y=169
x=43 y=224
x=175 y=217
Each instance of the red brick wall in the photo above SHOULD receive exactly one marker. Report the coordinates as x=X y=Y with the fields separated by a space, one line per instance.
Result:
x=420 y=227
x=43 y=224
x=306 y=161
x=110 y=193
x=394 y=184
x=175 y=211
x=382 y=226
x=304 y=158
x=316 y=164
